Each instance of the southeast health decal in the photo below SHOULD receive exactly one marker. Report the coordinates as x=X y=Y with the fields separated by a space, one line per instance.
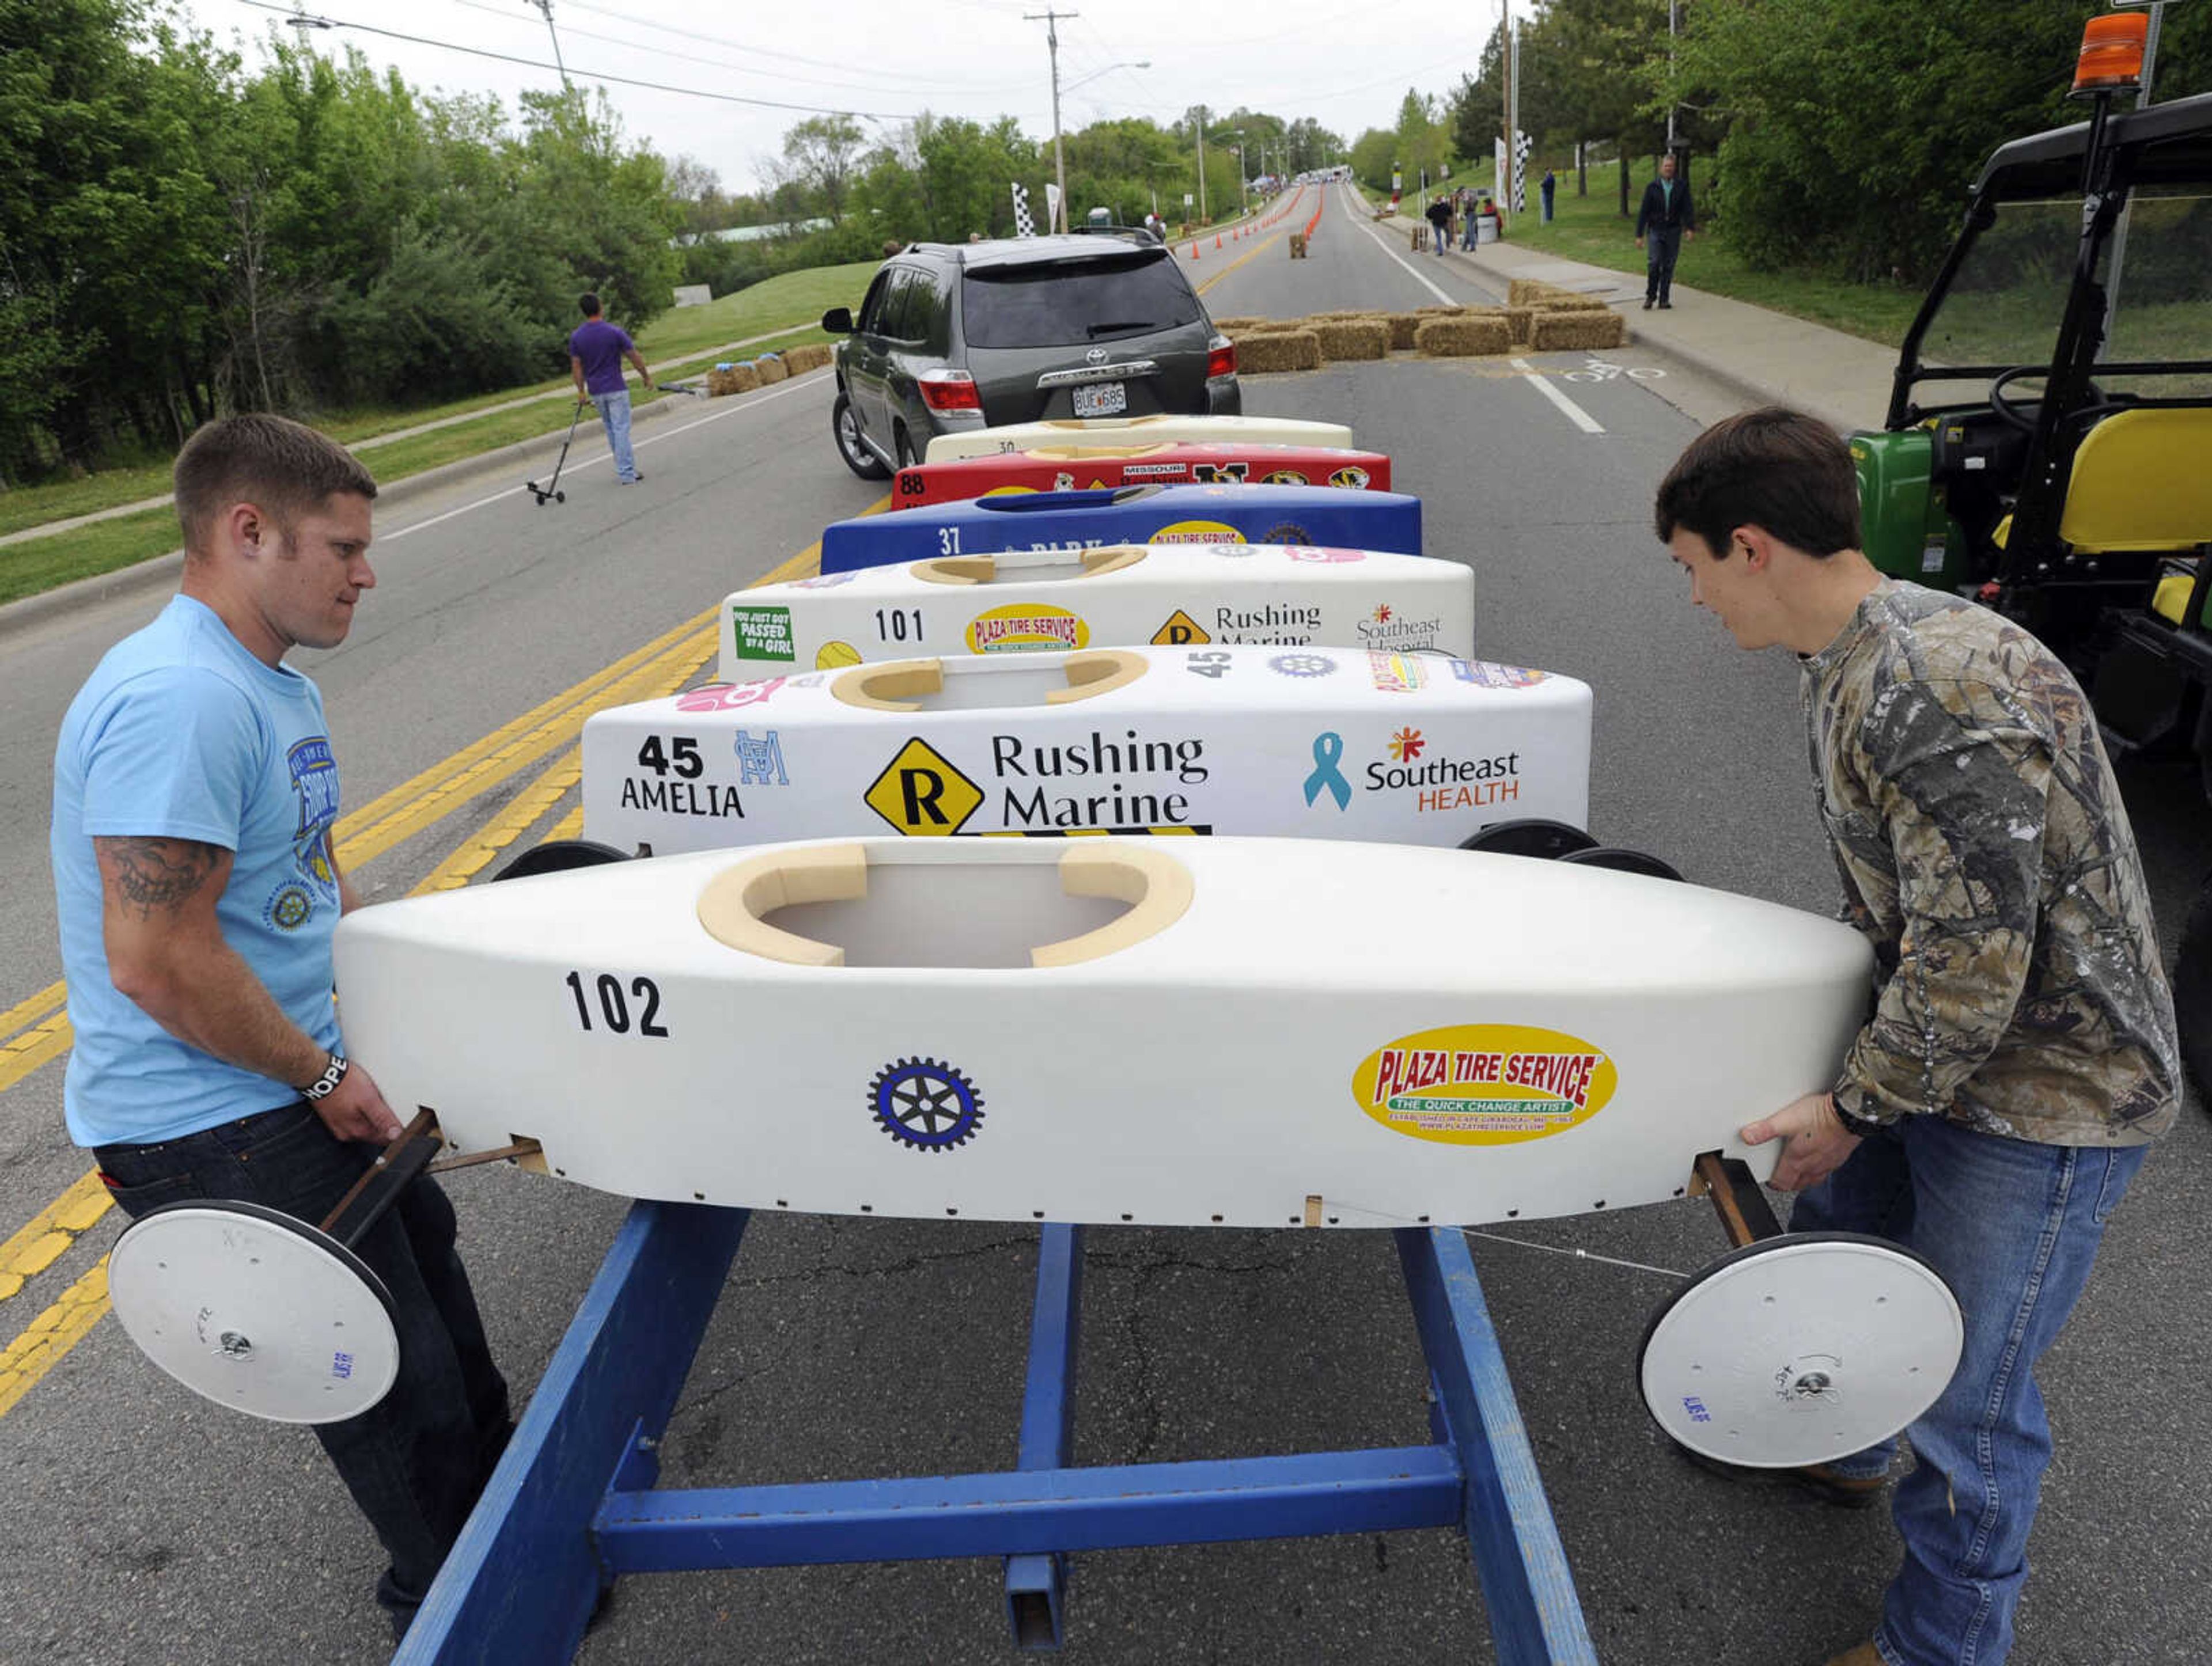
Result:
x=1484 y=1084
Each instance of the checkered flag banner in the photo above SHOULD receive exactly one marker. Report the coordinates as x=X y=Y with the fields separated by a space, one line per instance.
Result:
x=1522 y=144
x=1023 y=225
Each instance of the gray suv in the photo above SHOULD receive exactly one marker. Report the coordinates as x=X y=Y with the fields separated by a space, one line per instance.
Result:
x=958 y=337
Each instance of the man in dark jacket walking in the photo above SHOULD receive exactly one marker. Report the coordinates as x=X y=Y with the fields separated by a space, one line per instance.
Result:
x=1666 y=218
x=1438 y=214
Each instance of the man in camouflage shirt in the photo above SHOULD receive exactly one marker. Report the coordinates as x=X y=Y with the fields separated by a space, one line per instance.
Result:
x=2021 y=1053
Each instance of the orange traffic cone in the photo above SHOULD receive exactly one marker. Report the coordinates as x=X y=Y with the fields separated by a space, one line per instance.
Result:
x=1194 y=248
x=1217 y=240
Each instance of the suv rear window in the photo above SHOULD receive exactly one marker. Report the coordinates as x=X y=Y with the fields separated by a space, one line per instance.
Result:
x=1075 y=301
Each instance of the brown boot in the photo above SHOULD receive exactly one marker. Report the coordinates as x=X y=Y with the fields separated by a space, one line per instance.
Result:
x=1865 y=1655
x=1821 y=1479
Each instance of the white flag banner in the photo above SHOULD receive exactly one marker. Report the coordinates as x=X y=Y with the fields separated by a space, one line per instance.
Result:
x=1498 y=173
x=1051 y=206
x=1023 y=225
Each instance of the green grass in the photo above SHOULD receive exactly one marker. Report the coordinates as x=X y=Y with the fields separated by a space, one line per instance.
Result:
x=40 y=564
x=777 y=304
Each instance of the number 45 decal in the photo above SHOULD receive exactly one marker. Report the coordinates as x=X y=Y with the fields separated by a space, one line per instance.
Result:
x=682 y=756
x=1208 y=665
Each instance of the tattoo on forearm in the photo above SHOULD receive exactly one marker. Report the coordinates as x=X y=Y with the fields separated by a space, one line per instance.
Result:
x=157 y=874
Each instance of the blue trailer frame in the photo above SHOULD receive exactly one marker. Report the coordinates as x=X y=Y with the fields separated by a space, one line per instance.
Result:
x=573 y=1506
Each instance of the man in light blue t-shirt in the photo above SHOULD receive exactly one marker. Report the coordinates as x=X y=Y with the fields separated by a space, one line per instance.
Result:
x=194 y=792
x=596 y=351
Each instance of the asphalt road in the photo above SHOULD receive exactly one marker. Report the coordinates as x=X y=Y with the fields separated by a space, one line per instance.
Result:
x=147 y=1526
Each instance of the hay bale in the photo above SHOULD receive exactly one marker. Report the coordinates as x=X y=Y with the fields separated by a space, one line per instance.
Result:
x=1352 y=338
x=1458 y=338
x=1525 y=292
x=1517 y=322
x=1402 y=326
x=738 y=379
x=1572 y=301
x=1298 y=245
x=1578 y=328
x=812 y=356
x=1230 y=326
x=1268 y=351
x=771 y=368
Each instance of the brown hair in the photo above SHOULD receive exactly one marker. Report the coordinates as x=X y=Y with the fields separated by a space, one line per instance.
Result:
x=1773 y=468
x=286 y=468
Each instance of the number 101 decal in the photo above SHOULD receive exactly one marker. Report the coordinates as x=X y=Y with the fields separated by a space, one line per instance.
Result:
x=614 y=1004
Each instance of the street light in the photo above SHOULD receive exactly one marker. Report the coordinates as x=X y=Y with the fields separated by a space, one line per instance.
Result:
x=1050 y=18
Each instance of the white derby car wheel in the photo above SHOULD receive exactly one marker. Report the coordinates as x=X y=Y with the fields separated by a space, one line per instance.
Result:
x=256 y=1310
x=1801 y=1349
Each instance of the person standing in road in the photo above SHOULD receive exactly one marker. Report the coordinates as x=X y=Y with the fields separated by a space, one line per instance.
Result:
x=596 y=351
x=1438 y=214
x=195 y=790
x=2021 y=1055
x=1546 y=188
x=1665 y=217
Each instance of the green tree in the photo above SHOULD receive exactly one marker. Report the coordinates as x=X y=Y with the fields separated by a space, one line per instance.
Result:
x=820 y=156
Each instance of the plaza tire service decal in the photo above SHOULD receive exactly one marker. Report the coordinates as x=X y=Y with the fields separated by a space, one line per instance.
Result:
x=1484 y=1084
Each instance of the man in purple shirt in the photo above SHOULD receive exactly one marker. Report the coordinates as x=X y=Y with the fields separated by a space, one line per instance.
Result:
x=596 y=351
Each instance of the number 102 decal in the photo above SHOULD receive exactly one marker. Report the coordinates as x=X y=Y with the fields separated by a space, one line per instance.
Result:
x=613 y=1004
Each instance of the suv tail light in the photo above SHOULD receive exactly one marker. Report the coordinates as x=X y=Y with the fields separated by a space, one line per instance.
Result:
x=1220 y=358
x=950 y=391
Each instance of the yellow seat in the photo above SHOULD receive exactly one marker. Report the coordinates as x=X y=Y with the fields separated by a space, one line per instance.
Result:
x=2142 y=481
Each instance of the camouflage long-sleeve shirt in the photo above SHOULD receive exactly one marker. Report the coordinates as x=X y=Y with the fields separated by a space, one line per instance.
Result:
x=1985 y=853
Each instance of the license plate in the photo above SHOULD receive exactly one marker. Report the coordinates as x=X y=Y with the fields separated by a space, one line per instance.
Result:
x=1101 y=399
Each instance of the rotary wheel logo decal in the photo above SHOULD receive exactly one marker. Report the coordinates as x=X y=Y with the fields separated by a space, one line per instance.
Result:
x=921 y=1103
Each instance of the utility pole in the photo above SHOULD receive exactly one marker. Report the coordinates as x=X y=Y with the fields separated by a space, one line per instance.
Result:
x=1505 y=98
x=1671 y=26
x=1204 y=116
x=546 y=6
x=1050 y=18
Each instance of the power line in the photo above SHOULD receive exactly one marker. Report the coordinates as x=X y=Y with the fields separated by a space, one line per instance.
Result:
x=897 y=83
x=693 y=57
x=589 y=75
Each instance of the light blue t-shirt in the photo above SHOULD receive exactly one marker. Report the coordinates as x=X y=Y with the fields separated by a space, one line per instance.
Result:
x=180 y=733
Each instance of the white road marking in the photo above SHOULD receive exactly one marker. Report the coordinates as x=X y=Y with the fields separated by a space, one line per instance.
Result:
x=654 y=438
x=1576 y=414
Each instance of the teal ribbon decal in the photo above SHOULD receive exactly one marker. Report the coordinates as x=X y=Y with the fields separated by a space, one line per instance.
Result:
x=1327 y=753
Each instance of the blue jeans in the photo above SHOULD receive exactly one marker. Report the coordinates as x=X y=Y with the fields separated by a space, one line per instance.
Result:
x=614 y=412
x=2014 y=1227
x=417 y=1460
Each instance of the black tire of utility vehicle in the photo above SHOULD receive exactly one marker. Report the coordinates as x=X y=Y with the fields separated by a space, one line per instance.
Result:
x=847 y=428
x=2192 y=994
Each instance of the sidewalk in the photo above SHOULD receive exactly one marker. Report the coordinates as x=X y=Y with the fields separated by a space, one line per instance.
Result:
x=1768 y=358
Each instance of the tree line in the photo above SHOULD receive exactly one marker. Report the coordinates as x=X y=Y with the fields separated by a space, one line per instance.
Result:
x=180 y=237
x=941 y=178
x=1841 y=138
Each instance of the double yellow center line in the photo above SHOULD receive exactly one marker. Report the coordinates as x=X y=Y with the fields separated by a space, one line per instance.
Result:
x=38 y=1028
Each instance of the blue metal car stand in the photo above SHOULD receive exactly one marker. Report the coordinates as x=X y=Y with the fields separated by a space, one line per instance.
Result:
x=572 y=1505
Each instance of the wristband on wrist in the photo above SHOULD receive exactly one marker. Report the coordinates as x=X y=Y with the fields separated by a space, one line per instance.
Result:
x=327 y=1083
x=1858 y=1127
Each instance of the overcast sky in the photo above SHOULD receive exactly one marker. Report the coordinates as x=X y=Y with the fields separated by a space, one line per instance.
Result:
x=1347 y=68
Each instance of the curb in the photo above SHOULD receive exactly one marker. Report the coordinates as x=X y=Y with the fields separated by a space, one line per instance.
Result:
x=159 y=572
